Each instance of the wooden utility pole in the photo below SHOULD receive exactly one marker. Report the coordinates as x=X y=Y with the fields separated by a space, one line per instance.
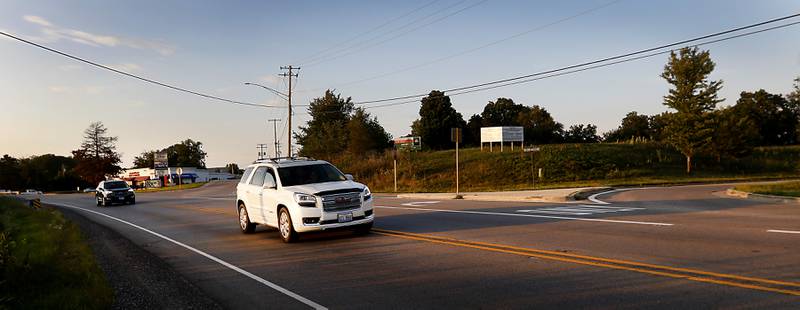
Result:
x=275 y=133
x=289 y=75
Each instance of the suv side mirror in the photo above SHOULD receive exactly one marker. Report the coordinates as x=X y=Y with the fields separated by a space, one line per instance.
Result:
x=269 y=182
x=349 y=177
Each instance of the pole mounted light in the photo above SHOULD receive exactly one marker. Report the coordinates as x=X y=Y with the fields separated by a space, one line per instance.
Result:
x=280 y=94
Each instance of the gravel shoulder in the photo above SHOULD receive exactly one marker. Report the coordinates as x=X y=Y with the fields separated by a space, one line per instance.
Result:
x=140 y=280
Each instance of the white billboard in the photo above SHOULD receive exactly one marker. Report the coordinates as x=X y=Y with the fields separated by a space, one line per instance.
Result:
x=502 y=134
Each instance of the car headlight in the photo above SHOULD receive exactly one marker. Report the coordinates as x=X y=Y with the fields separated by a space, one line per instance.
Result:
x=305 y=200
x=367 y=193
x=130 y=190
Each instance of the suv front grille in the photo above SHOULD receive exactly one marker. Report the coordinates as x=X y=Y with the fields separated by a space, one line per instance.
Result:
x=340 y=202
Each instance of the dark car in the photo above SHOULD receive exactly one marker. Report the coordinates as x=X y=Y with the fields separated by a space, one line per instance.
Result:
x=109 y=192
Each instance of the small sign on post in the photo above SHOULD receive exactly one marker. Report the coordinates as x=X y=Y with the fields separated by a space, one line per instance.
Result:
x=179 y=171
x=455 y=136
x=533 y=150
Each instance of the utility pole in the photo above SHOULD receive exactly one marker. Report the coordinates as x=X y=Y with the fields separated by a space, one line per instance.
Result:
x=262 y=150
x=289 y=74
x=275 y=133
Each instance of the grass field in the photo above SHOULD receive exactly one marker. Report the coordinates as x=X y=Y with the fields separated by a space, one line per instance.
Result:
x=563 y=165
x=46 y=263
x=778 y=189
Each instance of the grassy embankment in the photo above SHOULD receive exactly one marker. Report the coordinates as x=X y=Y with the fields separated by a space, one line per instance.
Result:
x=171 y=188
x=779 y=189
x=564 y=165
x=46 y=263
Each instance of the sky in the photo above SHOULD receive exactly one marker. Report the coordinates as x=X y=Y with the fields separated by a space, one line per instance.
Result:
x=388 y=48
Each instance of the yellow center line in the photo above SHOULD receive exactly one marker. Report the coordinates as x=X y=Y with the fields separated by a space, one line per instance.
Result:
x=665 y=271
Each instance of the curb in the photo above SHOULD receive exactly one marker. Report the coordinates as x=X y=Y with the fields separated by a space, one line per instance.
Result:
x=761 y=197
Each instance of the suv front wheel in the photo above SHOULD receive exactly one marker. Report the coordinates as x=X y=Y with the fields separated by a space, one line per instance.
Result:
x=244 y=221
x=288 y=234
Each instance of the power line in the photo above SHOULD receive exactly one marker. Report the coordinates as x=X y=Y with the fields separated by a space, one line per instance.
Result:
x=477 y=48
x=148 y=80
x=314 y=56
x=589 y=63
x=359 y=49
x=592 y=67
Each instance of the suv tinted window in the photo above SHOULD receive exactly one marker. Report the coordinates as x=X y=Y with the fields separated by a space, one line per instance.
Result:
x=258 y=176
x=308 y=174
x=246 y=174
x=115 y=185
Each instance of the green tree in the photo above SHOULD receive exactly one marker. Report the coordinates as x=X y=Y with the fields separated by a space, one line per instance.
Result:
x=734 y=134
x=437 y=116
x=634 y=125
x=233 y=168
x=187 y=153
x=794 y=96
x=693 y=96
x=539 y=126
x=10 y=177
x=97 y=156
x=325 y=134
x=472 y=134
x=773 y=115
x=365 y=134
x=581 y=134
x=502 y=112
x=144 y=160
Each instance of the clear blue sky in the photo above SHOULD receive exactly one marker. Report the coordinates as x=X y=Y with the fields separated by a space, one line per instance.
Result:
x=47 y=100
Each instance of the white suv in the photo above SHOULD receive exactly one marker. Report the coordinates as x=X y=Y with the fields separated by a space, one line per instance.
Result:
x=298 y=195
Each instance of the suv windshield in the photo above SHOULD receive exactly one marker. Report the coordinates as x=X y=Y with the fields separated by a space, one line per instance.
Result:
x=115 y=185
x=317 y=173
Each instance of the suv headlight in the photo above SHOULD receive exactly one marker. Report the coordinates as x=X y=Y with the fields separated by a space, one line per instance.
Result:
x=305 y=200
x=367 y=193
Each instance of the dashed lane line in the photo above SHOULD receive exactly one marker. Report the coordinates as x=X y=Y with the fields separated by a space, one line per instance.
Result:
x=206 y=255
x=529 y=215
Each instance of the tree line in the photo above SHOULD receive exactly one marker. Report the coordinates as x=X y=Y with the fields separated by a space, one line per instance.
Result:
x=692 y=124
x=95 y=160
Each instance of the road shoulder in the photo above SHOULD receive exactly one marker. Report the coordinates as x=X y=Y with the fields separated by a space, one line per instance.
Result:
x=140 y=279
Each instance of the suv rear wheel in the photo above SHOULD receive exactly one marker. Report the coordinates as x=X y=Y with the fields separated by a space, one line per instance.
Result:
x=244 y=221
x=288 y=234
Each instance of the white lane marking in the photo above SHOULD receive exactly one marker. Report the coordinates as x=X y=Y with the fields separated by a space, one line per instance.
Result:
x=593 y=198
x=419 y=203
x=531 y=215
x=580 y=210
x=209 y=256
x=783 y=231
x=552 y=212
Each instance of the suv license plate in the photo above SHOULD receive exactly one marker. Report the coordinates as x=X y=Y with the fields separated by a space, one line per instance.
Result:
x=346 y=217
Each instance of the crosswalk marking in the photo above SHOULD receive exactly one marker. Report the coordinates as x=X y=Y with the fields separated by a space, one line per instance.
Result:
x=580 y=210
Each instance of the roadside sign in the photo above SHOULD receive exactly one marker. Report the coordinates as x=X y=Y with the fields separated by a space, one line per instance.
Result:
x=455 y=135
x=531 y=149
x=179 y=171
x=160 y=160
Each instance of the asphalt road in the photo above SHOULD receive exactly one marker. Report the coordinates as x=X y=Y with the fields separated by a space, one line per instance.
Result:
x=673 y=247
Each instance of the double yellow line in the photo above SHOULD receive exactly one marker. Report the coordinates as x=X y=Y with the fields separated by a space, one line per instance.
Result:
x=783 y=287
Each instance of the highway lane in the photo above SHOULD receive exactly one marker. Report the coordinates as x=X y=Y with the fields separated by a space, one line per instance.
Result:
x=707 y=232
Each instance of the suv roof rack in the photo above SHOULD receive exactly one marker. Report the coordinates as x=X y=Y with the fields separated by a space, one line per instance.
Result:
x=276 y=159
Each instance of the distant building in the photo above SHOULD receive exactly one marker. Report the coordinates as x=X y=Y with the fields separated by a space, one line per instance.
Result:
x=149 y=177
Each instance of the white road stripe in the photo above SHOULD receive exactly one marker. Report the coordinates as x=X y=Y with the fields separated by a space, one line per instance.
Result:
x=209 y=256
x=783 y=231
x=553 y=212
x=531 y=215
x=419 y=203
